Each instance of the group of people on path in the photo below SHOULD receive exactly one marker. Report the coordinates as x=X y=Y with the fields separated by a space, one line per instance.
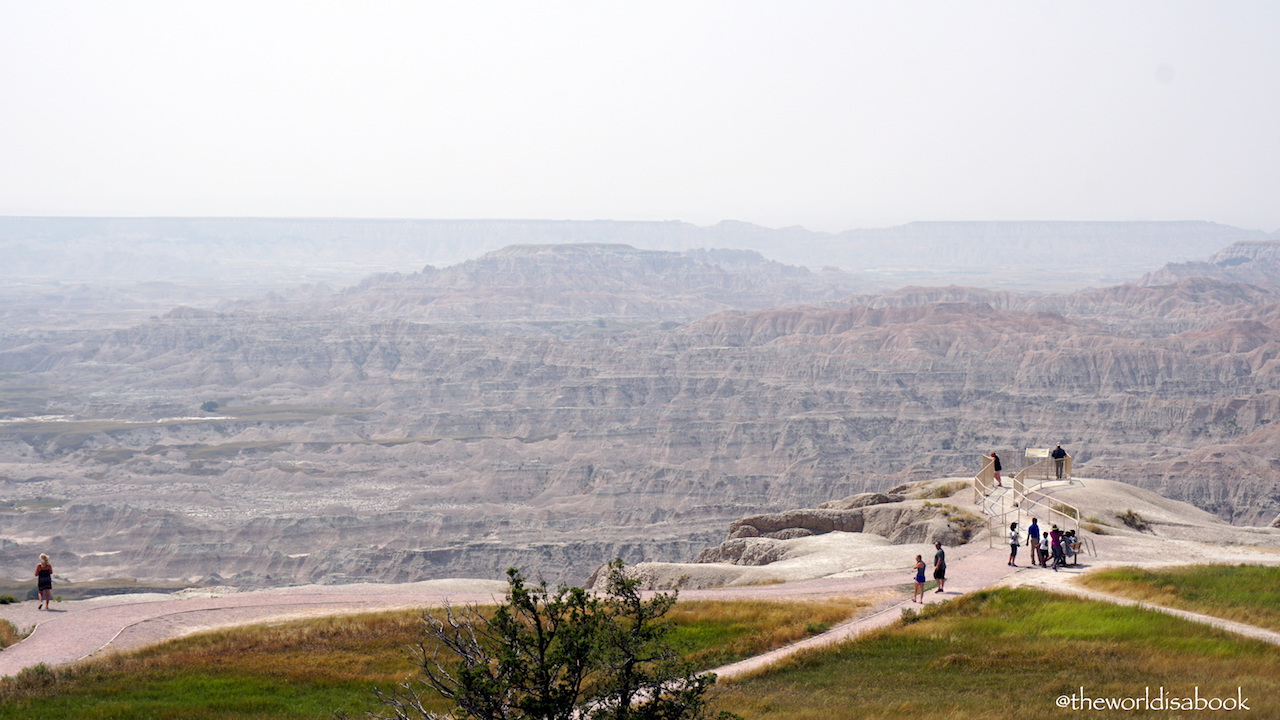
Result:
x=1054 y=545
x=939 y=572
x=1062 y=547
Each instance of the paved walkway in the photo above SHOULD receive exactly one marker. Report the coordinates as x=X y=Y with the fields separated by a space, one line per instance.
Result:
x=967 y=573
x=65 y=636
x=74 y=631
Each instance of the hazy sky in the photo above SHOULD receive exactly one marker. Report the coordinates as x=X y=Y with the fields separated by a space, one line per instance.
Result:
x=831 y=115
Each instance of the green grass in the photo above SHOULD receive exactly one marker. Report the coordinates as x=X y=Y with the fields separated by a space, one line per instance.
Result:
x=1244 y=593
x=718 y=633
x=1007 y=653
x=1011 y=653
x=312 y=669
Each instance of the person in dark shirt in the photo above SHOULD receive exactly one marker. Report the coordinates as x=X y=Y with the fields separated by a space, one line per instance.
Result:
x=44 y=582
x=995 y=460
x=1059 y=460
x=940 y=566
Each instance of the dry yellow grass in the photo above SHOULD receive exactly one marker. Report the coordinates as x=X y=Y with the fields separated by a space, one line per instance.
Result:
x=8 y=634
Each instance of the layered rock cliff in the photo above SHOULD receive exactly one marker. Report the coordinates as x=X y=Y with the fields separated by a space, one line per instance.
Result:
x=359 y=434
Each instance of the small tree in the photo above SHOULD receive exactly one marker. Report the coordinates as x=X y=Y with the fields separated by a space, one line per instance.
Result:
x=555 y=655
x=643 y=677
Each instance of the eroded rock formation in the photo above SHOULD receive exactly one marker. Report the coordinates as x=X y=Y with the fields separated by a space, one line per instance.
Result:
x=350 y=442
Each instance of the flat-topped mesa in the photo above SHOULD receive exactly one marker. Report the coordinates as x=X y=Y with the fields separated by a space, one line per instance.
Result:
x=594 y=280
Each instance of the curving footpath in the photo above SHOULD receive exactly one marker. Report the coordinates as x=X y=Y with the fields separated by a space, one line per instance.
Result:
x=978 y=571
x=1239 y=628
x=967 y=573
x=66 y=636
x=84 y=629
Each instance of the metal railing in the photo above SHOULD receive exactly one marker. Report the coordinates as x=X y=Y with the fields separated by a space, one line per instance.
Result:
x=984 y=485
x=1026 y=493
x=1047 y=468
x=985 y=481
x=1028 y=498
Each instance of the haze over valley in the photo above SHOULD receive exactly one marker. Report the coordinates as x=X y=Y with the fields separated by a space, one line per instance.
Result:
x=87 y=271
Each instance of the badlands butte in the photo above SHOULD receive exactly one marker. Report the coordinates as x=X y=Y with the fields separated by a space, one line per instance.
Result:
x=554 y=406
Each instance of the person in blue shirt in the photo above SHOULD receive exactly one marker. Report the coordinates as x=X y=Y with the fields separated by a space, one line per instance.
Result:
x=1033 y=539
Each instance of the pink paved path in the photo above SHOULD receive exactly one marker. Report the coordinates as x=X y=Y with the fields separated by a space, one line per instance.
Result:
x=63 y=637
x=67 y=636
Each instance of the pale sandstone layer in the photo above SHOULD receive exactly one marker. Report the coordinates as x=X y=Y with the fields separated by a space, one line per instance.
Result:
x=1174 y=533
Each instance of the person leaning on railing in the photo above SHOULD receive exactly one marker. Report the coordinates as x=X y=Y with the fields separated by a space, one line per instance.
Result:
x=1059 y=460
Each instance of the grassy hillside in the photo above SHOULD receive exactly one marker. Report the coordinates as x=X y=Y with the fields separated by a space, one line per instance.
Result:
x=311 y=669
x=1008 y=653
x=1244 y=593
x=1015 y=654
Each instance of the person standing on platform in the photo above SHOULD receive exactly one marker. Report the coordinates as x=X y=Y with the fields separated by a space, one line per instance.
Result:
x=1059 y=460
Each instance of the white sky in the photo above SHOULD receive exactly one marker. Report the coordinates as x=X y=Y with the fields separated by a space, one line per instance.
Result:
x=831 y=115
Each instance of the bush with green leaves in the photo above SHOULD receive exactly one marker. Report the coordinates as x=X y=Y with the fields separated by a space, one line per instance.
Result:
x=555 y=655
